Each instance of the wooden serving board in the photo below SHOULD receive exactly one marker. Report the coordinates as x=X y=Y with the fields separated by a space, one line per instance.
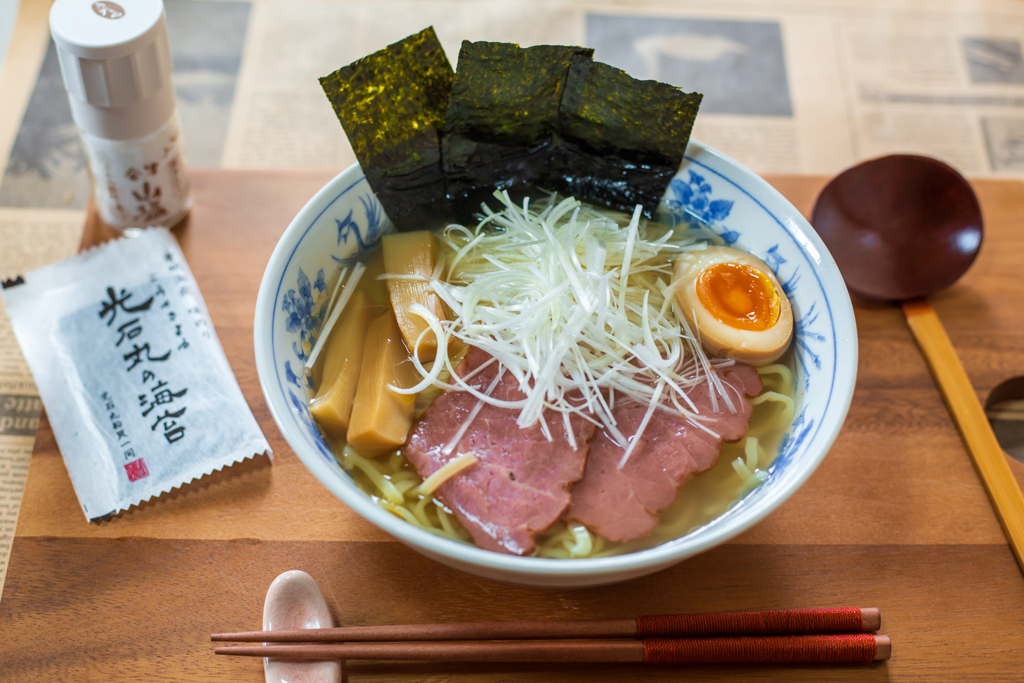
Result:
x=894 y=518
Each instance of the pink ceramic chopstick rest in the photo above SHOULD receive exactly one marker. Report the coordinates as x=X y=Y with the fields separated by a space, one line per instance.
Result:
x=295 y=601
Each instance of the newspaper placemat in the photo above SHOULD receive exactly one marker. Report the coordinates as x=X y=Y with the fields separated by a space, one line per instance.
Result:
x=31 y=238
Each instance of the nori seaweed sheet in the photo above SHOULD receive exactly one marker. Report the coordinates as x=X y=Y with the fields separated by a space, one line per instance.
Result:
x=621 y=139
x=392 y=106
x=502 y=120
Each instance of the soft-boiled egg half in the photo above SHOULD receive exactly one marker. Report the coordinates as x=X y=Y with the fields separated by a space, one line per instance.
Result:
x=736 y=303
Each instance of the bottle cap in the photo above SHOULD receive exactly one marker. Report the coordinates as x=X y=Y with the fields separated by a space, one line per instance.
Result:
x=116 y=64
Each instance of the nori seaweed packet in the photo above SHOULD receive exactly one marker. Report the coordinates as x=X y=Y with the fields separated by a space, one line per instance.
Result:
x=136 y=385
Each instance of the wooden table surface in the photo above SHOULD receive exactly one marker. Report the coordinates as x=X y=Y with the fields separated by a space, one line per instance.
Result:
x=894 y=518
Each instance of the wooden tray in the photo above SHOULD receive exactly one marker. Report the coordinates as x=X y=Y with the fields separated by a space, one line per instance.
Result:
x=894 y=518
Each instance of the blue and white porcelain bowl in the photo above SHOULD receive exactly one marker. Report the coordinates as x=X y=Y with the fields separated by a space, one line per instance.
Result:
x=344 y=217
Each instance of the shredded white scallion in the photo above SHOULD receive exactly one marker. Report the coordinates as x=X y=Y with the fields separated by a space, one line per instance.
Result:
x=577 y=307
x=338 y=307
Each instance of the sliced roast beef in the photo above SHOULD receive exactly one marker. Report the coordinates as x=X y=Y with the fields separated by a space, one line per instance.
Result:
x=623 y=504
x=520 y=485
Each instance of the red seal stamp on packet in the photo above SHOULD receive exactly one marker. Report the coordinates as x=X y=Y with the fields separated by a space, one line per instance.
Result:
x=136 y=470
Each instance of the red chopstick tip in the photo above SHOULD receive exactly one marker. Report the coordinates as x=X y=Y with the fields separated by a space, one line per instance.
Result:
x=883 y=648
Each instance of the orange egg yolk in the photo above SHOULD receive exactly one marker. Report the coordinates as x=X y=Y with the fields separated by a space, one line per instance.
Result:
x=739 y=296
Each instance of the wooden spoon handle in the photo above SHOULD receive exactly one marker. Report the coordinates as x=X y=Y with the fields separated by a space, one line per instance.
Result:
x=968 y=415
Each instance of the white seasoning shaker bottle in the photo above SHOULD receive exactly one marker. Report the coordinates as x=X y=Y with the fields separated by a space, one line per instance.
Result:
x=116 y=64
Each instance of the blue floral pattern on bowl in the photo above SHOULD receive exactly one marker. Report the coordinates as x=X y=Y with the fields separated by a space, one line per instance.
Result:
x=306 y=303
x=367 y=238
x=689 y=201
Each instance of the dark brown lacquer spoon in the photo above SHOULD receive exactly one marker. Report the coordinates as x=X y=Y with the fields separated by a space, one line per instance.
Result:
x=900 y=228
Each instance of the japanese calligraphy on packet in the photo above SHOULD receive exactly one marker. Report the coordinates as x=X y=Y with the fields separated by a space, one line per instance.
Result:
x=138 y=390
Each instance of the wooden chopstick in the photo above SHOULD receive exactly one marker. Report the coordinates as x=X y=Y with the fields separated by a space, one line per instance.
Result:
x=778 y=622
x=988 y=456
x=812 y=649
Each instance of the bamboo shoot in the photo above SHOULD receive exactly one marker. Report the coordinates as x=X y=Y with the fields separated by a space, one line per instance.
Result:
x=343 y=358
x=376 y=290
x=381 y=418
x=413 y=253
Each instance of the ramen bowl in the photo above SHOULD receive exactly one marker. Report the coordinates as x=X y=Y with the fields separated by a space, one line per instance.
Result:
x=742 y=210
